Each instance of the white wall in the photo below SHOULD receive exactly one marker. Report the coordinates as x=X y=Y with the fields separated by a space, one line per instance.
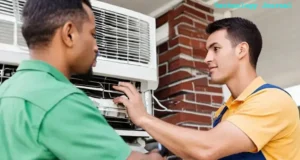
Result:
x=295 y=93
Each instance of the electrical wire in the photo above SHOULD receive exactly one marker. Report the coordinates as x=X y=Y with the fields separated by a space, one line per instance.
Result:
x=165 y=109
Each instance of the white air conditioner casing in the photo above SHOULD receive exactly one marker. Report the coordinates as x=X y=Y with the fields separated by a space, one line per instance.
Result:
x=127 y=49
x=137 y=32
x=119 y=54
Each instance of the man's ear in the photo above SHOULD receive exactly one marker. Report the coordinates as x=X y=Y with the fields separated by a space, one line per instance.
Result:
x=69 y=33
x=242 y=50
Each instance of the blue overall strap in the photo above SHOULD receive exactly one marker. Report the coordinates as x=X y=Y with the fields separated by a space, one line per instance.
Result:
x=269 y=86
x=219 y=118
x=247 y=155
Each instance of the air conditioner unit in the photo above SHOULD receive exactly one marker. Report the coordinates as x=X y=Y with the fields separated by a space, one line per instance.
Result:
x=127 y=47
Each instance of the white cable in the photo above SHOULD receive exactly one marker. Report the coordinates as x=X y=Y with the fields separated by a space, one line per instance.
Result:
x=165 y=109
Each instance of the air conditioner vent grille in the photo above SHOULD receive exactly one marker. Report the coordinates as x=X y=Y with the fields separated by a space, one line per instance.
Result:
x=6 y=32
x=20 y=39
x=121 y=37
x=21 y=4
x=7 y=7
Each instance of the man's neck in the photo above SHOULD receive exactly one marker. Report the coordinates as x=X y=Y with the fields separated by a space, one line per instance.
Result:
x=238 y=84
x=54 y=60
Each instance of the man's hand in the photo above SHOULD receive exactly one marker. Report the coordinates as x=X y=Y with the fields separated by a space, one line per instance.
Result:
x=135 y=106
x=155 y=155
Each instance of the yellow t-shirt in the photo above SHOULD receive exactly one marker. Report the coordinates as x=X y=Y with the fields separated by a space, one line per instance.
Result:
x=269 y=117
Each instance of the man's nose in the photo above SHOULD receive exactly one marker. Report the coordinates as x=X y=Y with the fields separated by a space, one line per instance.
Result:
x=208 y=58
x=96 y=51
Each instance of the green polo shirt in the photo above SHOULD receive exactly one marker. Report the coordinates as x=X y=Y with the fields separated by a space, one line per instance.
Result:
x=44 y=116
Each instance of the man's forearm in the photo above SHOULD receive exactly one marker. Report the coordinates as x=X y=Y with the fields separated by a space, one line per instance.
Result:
x=140 y=156
x=186 y=143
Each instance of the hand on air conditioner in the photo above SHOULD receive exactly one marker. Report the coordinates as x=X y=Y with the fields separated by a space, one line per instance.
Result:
x=134 y=103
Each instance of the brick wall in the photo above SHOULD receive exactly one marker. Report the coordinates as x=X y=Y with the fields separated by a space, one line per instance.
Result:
x=183 y=76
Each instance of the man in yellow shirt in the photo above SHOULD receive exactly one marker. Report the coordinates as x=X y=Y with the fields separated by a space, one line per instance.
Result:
x=259 y=121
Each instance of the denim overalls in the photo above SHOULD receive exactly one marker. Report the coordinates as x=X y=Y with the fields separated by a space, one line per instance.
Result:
x=245 y=155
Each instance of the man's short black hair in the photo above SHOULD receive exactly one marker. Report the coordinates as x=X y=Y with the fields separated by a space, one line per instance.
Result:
x=240 y=30
x=41 y=18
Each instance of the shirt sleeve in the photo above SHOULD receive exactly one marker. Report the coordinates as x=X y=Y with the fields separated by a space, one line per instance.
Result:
x=75 y=130
x=264 y=119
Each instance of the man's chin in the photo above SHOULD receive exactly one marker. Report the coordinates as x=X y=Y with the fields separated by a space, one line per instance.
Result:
x=86 y=76
x=215 y=80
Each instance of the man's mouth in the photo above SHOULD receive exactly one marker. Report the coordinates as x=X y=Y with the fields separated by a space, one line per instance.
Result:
x=212 y=68
x=95 y=60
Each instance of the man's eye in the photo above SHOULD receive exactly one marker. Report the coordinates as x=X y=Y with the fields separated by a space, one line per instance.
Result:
x=216 y=49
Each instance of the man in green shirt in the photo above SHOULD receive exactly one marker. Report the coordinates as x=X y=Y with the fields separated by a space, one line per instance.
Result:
x=43 y=115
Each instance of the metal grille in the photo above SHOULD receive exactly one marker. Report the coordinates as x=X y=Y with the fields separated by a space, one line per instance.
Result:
x=20 y=4
x=100 y=87
x=101 y=92
x=6 y=32
x=20 y=39
x=7 y=7
x=6 y=71
x=121 y=37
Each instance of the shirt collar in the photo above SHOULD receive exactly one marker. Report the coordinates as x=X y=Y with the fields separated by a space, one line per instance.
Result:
x=42 y=66
x=257 y=82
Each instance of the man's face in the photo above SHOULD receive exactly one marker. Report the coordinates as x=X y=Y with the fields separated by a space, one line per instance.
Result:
x=83 y=54
x=221 y=57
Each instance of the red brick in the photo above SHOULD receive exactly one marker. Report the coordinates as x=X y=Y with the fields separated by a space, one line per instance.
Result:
x=179 y=40
x=184 y=31
x=201 y=82
x=177 y=103
x=210 y=18
x=200 y=25
x=186 y=51
x=194 y=12
x=197 y=44
x=175 y=22
x=189 y=2
x=168 y=104
x=178 y=11
x=200 y=35
x=181 y=105
x=182 y=19
x=178 y=63
x=162 y=70
x=204 y=8
x=208 y=89
x=163 y=47
x=185 y=117
x=173 y=53
x=204 y=129
x=173 y=41
x=192 y=107
x=177 y=76
x=171 y=91
x=190 y=96
x=206 y=109
x=184 y=41
x=199 y=53
x=201 y=66
x=217 y=99
x=203 y=98
x=168 y=55
x=189 y=127
x=188 y=27
x=172 y=34
x=162 y=20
